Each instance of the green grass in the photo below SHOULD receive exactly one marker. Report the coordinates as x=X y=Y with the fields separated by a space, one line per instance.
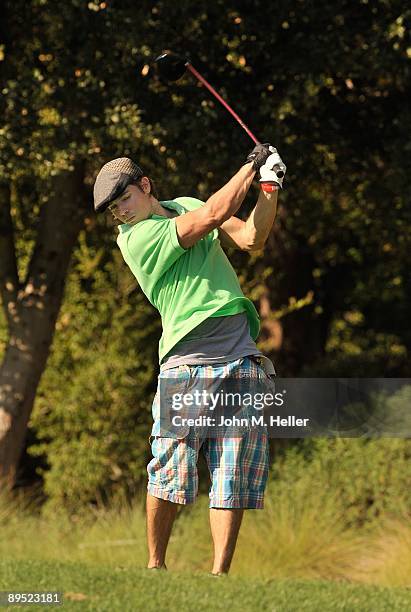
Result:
x=314 y=547
x=302 y=537
x=90 y=587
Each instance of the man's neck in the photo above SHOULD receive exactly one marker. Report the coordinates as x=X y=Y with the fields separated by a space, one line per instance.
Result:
x=158 y=209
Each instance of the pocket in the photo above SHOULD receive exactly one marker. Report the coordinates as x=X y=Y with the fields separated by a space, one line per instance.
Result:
x=172 y=386
x=175 y=379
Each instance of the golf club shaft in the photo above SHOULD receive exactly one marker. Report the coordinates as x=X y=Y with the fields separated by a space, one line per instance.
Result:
x=221 y=100
x=266 y=187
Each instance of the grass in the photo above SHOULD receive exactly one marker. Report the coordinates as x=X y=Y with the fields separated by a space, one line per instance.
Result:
x=97 y=536
x=299 y=540
x=390 y=562
x=312 y=548
x=298 y=537
x=91 y=587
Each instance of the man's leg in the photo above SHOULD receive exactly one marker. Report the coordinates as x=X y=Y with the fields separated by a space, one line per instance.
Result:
x=225 y=524
x=160 y=518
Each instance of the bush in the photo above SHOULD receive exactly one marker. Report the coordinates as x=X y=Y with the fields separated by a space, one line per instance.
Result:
x=371 y=478
x=93 y=411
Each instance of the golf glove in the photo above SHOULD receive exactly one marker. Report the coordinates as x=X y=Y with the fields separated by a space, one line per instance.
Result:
x=273 y=170
x=259 y=155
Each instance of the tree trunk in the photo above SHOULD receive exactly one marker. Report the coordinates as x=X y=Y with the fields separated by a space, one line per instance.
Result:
x=32 y=308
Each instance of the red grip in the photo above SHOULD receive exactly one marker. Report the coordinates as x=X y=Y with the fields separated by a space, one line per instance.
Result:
x=269 y=187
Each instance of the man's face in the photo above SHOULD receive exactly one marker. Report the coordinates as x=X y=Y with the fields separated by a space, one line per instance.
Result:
x=134 y=204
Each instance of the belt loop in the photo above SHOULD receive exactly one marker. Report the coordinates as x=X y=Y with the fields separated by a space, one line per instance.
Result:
x=256 y=359
x=187 y=369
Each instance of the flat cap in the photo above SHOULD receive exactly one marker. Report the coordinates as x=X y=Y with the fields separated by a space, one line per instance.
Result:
x=112 y=179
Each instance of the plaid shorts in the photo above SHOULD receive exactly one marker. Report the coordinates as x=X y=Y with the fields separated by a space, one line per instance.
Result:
x=238 y=466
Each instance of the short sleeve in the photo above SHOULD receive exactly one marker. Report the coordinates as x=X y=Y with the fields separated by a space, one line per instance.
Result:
x=152 y=247
x=189 y=203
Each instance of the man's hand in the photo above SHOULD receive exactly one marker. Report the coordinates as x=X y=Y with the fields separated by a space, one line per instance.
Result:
x=273 y=170
x=259 y=155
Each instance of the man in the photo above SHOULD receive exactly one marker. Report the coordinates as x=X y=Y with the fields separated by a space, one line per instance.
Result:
x=174 y=250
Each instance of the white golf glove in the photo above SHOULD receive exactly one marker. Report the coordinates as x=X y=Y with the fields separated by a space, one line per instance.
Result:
x=273 y=170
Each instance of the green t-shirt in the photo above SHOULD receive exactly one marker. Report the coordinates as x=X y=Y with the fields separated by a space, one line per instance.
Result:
x=185 y=285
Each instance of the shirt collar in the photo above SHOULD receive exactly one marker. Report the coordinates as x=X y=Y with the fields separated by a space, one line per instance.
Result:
x=124 y=227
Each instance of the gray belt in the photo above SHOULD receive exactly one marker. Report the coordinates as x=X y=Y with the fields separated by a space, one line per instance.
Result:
x=265 y=363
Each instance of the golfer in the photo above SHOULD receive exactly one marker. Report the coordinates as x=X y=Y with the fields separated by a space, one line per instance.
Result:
x=174 y=249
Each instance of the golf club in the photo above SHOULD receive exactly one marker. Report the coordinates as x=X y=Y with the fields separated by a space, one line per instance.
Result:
x=172 y=67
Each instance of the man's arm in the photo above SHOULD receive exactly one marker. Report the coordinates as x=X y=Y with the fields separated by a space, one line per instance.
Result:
x=222 y=205
x=252 y=234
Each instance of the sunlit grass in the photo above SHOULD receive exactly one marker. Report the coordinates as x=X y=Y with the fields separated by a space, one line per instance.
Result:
x=388 y=559
x=97 y=535
x=301 y=534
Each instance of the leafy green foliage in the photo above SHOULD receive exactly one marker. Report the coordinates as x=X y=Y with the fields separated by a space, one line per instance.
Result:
x=94 y=404
x=371 y=478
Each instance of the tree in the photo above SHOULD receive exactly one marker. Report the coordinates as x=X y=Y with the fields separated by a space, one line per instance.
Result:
x=56 y=117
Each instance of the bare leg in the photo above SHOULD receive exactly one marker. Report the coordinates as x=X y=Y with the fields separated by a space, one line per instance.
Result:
x=160 y=518
x=225 y=524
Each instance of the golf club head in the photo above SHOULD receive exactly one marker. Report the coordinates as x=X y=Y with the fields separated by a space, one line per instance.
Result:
x=170 y=66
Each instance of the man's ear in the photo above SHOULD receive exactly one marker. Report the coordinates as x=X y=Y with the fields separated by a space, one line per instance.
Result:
x=145 y=184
